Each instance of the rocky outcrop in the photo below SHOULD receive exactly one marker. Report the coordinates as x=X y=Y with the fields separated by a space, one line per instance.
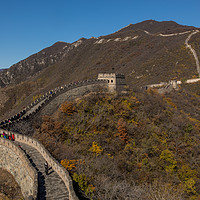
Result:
x=32 y=65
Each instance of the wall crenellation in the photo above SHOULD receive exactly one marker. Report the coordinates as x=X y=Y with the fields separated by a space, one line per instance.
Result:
x=60 y=94
x=56 y=166
x=45 y=99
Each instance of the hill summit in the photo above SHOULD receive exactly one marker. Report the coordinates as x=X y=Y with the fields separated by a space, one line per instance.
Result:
x=153 y=26
x=147 y=52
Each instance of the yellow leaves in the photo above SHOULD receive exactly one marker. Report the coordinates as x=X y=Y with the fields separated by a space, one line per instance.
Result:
x=193 y=120
x=145 y=161
x=162 y=137
x=196 y=121
x=83 y=182
x=36 y=97
x=188 y=177
x=91 y=188
x=130 y=146
x=127 y=104
x=69 y=164
x=82 y=179
x=131 y=103
x=134 y=122
x=96 y=149
x=122 y=130
x=189 y=185
x=110 y=156
x=194 y=76
x=170 y=102
x=168 y=161
x=134 y=99
x=68 y=129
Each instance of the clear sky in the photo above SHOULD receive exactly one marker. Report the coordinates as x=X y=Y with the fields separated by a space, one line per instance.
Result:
x=28 y=26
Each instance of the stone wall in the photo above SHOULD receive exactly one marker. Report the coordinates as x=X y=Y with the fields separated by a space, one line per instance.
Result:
x=193 y=80
x=73 y=93
x=82 y=87
x=14 y=160
x=49 y=102
x=116 y=82
x=56 y=166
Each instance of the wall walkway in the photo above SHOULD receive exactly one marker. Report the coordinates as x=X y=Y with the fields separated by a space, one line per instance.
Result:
x=58 y=184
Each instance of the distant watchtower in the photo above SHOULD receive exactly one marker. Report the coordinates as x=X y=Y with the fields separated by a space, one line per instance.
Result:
x=116 y=82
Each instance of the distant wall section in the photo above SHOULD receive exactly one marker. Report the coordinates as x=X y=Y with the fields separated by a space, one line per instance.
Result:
x=52 y=106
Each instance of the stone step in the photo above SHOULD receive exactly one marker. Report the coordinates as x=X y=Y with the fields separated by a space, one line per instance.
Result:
x=49 y=186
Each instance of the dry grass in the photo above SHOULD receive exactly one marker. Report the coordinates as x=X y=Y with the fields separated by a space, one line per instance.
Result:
x=9 y=189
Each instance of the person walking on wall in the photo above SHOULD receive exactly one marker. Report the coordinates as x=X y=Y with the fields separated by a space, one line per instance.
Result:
x=46 y=167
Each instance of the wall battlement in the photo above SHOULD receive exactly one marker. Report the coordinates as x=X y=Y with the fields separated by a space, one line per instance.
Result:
x=113 y=83
x=56 y=166
x=105 y=82
x=14 y=160
x=116 y=82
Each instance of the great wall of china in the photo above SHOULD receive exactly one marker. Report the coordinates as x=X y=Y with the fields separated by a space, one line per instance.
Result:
x=193 y=32
x=24 y=156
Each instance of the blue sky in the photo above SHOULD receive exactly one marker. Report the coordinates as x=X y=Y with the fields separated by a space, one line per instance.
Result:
x=28 y=26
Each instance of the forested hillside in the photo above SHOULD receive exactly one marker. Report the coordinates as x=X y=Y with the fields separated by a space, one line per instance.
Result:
x=141 y=146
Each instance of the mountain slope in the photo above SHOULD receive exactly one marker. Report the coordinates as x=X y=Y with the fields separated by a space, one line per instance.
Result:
x=153 y=26
x=30 y=66
x=143 y=47
x=139 y=51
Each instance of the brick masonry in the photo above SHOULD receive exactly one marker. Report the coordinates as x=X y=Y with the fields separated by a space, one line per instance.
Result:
x=13 y=159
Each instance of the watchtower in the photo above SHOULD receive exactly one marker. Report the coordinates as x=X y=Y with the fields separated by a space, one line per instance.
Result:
x=174 y=84
x=116 y=82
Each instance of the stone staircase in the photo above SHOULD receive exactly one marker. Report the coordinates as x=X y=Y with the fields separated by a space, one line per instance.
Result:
x=51 y=186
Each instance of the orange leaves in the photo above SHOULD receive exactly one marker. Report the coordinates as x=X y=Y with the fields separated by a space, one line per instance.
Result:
x=122 y=130
x=67 y=108
x=49 y=125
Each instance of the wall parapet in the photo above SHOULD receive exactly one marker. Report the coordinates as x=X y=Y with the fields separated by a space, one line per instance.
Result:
x=46 y=98
x=32 y=192
x=56 y=166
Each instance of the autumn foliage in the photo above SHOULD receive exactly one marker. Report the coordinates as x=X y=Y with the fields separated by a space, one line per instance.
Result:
x=134 y=147
x=122 y=130
x=67 y=108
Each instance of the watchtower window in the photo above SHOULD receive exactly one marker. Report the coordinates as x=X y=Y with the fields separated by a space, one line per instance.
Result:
x=111 y=81
x=108 y=81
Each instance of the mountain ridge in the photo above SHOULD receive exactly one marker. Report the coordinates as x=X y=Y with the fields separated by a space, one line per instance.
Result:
x=164 y=27
x=144 y=55
x=55 y=53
